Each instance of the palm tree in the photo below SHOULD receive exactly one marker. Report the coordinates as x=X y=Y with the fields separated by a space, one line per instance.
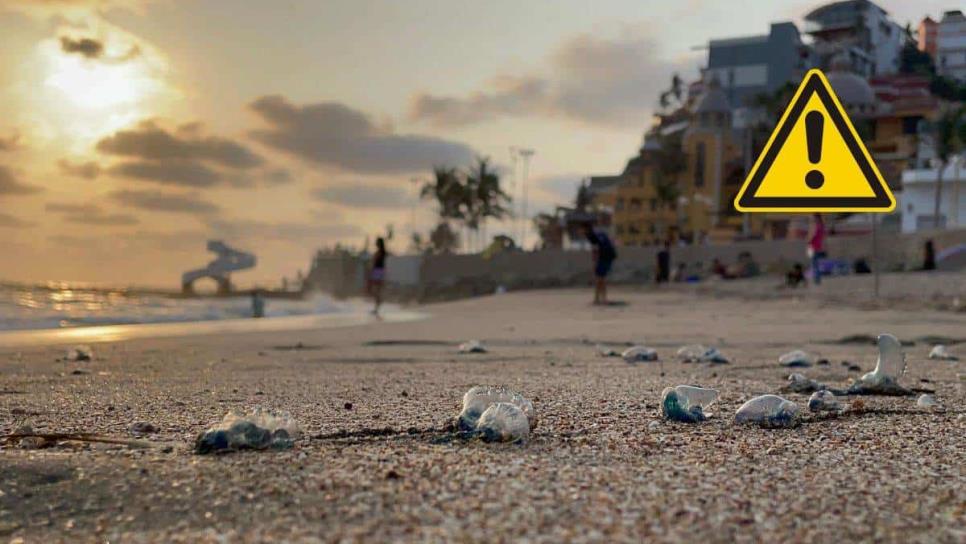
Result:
x=447 y=190
x=485 y=199
x=949 y=136
x=442 y=238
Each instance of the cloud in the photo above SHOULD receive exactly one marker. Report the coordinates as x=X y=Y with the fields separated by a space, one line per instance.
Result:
x=85 y=47
x=11 y=222
x=364 y=196
x=48 y=8
x=185 y=173
x=150 y=142
x=284 y=231
x=332 y=134
x=10 y=142
x=562 y=187
x=85 y=170
x=588 y=78
x=92 y=49
x=156 y=201
x=9 y=185
x=90 y=214
x=278 y=176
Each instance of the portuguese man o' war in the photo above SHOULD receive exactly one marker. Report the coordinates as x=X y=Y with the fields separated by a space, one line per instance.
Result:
x=697 y=353
x=686 y=403
x=798 y=383
x=472 y=346
x=256 y=430
x=503 y=422
x=639 y=354
x=823 y=401
x=884 y=380
x=769 y=411
x=797 y=358
x=939 y=352
x=478 y=399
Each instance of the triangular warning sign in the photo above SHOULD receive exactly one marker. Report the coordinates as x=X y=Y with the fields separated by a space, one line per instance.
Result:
x=814 y=161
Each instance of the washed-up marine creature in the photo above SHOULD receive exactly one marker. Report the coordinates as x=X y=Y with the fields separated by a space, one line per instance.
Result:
x=686 y=403
x=884 y=380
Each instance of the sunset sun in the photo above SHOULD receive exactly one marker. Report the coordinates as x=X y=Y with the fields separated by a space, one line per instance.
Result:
x=97 y=86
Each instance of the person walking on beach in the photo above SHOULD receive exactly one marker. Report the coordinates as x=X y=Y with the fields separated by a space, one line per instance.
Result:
x=377 y=274
x=604 y=255
x=816 y=246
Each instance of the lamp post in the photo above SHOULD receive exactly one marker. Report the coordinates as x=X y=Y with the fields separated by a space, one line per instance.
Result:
x=415 y=181
x=526 y=154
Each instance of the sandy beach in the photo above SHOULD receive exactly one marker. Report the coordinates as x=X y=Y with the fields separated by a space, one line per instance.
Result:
x=374 y=463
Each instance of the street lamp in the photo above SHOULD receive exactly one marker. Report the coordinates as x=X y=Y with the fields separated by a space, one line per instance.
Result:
x=415 y=181
x=526 y=154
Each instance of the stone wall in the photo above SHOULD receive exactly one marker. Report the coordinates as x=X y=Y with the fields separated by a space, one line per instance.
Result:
x=441 y=277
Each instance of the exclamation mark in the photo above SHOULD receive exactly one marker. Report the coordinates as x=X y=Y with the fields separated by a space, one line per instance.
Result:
x=814 y=123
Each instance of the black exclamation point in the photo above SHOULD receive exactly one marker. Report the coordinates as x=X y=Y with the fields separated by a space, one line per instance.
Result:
x=814 y=123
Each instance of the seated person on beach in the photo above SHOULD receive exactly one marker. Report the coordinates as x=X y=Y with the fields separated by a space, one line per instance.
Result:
x=719 y=269
x=795 y=276
x=746 y=267
x=680 y=274
x=377 y=274
x=604 y=255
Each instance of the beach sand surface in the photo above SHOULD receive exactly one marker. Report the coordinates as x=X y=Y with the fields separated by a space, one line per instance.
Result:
x=376 y=463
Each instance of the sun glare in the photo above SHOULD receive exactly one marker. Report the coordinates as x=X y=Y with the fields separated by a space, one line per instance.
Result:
x=97 y=86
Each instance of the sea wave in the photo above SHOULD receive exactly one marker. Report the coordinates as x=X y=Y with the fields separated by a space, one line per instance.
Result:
x=62 y=306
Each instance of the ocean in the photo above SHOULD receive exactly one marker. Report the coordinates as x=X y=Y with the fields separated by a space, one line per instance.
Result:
x=57 y=305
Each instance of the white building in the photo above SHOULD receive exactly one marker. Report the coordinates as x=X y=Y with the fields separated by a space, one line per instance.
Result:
x=917 y=200
x=860 y=30
x=951 y=45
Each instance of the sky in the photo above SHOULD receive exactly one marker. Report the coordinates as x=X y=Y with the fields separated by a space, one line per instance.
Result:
x=132 y=131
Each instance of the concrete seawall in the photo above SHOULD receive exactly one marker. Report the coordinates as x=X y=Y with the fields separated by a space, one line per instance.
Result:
x=437 y=277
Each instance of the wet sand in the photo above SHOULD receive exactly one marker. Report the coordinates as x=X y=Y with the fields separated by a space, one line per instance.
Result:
x=375 y=465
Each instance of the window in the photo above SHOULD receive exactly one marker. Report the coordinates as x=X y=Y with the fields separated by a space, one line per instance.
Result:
x=910 y=125
x=699 y=166
x=620 y=205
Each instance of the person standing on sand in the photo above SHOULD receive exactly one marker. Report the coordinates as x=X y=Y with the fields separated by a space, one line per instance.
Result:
x=604 y=255
x=377 y=274
x=664 y=263
x=929 y=256
x=816 y=246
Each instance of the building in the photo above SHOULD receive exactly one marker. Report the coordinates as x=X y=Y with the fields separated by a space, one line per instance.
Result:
x=926 y=36
x=711 y=146
x=859 y=29
x=753 y=65
x=644 y=215
x=917 y=201
x=951 y=45
x=903 y=102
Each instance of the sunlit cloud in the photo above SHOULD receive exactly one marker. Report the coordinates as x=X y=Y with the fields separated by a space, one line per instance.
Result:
x=157 y=201
x=333 y=134
x=588 y=78
x=361 y=195
x=8 y=221
x=85 y=169
x=10 y=185
x=90 y=214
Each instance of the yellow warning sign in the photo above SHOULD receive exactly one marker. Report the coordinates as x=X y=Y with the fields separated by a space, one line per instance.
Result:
x=814 y=161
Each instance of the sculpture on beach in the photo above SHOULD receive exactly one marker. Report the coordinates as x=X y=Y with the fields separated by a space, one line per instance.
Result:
x=229 y=260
